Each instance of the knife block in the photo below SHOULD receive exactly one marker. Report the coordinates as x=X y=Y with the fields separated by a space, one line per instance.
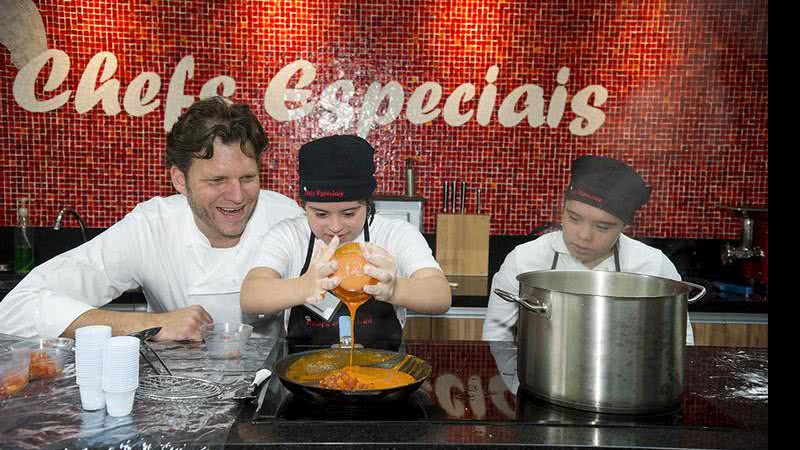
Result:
x=462 y=244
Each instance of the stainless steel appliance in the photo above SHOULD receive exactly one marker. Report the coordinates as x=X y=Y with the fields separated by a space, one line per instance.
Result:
x=602 y=341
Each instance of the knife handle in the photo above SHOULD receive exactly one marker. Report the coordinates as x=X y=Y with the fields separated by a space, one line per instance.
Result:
x=463 y=197
x=446 y=197
x=454 y=197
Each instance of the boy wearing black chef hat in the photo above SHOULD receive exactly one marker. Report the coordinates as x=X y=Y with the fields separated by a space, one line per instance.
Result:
x=601 y=200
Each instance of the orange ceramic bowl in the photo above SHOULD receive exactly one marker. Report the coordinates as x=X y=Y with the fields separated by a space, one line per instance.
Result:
x=350 y=272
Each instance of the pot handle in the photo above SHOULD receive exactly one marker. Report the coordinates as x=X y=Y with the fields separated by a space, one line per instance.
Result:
x=513 y=298
x=698 y=296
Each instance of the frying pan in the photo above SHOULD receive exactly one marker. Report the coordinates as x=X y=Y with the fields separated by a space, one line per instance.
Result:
x=304 y=379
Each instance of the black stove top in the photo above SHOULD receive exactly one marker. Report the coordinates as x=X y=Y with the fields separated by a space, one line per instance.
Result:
x=418 y=406
x=421 y=405
x=494 y=406
x=471 y=397
x=467 y=387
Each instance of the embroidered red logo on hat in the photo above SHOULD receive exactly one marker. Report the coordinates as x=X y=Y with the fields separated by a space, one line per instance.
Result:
x=324 y=193
x=580 y=192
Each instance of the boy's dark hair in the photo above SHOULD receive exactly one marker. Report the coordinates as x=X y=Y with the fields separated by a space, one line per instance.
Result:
x=193 y=135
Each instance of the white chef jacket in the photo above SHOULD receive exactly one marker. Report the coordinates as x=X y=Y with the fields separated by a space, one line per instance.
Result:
x=284 y=249
x=635 y=257
x=158 y=247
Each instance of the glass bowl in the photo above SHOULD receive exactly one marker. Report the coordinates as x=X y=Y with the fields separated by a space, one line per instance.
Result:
x=14 y=374
x=226 y=339
x=47 y=356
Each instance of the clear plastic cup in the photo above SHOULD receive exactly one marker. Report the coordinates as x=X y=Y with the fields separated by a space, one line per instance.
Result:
x=120 y=403
x=226 y=339
x=92 y=397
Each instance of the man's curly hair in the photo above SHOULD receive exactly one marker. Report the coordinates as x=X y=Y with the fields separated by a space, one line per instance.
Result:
x=193 y=135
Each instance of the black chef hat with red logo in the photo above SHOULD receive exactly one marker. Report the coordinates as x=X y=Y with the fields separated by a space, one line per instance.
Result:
x=337 y=169
x=608 y=184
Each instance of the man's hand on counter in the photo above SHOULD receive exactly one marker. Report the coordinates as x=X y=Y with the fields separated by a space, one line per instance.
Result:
x=180 y=325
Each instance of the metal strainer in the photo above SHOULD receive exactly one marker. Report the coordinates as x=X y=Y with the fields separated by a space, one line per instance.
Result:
x=171 y=387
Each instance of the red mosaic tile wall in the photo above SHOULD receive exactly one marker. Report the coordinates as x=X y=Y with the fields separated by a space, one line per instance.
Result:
x=687 y=99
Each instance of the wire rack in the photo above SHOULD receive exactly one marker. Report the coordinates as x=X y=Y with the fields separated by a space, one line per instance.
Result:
x=170 y=387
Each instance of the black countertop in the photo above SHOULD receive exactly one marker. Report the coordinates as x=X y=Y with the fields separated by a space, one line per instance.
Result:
x=467 y=401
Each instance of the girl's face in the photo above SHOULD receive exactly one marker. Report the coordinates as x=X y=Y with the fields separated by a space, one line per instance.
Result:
x=343 y=219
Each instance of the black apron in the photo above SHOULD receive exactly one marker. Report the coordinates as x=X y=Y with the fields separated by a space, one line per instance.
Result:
x=616 y=259
x=376 y=325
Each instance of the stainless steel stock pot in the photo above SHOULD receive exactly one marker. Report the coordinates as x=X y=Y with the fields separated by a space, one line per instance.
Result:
x=602 y=341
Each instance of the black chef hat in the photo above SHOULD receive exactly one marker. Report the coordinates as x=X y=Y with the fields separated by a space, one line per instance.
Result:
x=608 y=184
x=337 y=169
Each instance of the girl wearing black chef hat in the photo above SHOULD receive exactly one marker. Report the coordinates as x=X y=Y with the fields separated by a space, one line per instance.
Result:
x=295 y=275
x=600 y=201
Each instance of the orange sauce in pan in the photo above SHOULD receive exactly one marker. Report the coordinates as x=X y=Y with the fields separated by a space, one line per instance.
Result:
x=310 y=369
x=329 y=369
x=355 y=378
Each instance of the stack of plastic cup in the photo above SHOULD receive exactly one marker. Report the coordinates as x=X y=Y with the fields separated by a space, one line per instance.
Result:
x=89 y=344
x=120 y=374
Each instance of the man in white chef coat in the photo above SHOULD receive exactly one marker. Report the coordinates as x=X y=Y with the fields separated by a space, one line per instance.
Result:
x=600 y=201
x=189 y=252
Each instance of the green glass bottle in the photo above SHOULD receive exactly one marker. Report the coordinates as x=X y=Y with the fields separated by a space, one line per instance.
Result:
x=23 y=240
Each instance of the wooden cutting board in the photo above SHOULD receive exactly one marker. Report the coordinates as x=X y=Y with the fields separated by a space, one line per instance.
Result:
x=462 y=244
